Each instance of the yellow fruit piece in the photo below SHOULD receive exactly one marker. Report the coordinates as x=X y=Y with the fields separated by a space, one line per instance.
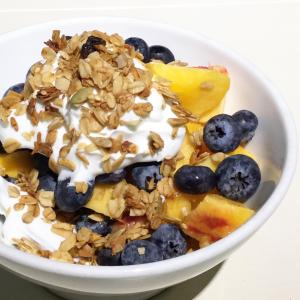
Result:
x=16 y=162
x=101 y=195
x=176 y=209
x=186 y=150
x=216 y=217
x=200 y=90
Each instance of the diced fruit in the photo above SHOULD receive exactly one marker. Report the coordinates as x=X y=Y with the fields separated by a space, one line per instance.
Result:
x=16 y=162
x=216 y=217
x=101 y=195
x=162 y=53
x=170 y=240
x=199 y=90
x=18 y=88
x=142 y=175
x=194 y=179
x=103 y=227
x=106 y=258
x=222 y=133
x=186 y=149
x=66 y=197
x=248 y=123
x=176 y=209
x=238 y=177
x=141 y=46
x=140 y=252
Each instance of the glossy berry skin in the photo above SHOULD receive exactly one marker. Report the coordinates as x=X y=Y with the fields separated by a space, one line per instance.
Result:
x=40 y=162
x=162 y=53
x=66 y=197
x=106 y=258
x=48 y=182
x=194 y=179
x=103 y=228
x=248 y=123
x=170 y=240
x=140 y=252
x=141 y=46
x=238 y=177
x=89 y=46
x=18 y=88
x=222 y=134
x=114 y=177
x=140 y=174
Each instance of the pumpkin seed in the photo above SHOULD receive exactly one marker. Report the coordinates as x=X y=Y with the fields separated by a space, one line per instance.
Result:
x=81 y=95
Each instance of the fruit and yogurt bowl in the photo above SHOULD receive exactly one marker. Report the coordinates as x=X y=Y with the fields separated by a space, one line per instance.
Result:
x=114 y=153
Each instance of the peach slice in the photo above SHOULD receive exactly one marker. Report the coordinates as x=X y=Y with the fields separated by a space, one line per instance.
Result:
x=101 y=195
x=16 y=162
x=216 y=217
x=200 y=90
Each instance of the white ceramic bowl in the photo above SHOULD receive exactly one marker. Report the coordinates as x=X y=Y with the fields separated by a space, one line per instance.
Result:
x=274 y=146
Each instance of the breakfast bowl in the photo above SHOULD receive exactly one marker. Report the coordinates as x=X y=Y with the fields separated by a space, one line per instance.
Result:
x=274 y=147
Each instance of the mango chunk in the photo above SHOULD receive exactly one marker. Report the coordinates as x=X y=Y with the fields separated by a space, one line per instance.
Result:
x=16 y=162
x=216 y=217
x=176 y=209
x=200 y=90
x=101 y=195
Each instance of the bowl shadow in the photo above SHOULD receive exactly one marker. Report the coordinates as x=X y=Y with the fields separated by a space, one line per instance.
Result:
x=15 y=287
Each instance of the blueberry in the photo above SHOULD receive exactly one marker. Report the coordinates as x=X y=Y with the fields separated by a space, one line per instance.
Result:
x=161 y=53
x=141 y=174
x=89 y=46
x=18 y=88
x=248 y=123
x=48 y=182
x=238 y=177
x=106 y=258
x=41 y=163
x=222 y=134
x=66 y=197
x=170 y=240
x=140 y=252
x=103 y=228
x=141 y=46
x=194 y=179
x=10 y=179
x=114 y=177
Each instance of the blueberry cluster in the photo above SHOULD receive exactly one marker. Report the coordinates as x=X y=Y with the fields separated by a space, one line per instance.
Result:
x=156 y=52
x=166 y=242
x=237 y=176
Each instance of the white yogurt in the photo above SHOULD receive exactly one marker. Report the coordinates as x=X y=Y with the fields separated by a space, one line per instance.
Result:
x=14 y=228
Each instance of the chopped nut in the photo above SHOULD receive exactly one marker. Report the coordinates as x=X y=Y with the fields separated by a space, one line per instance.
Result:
x=68 y=243
x=10 y=145
x=81 y=187
x=46 y=198
x=142 y=109
x=67 y=164
x=13 y=191
x=49 y=214
x=14 y=124
x=217 y=157
x=155 y=142
x=177 y=121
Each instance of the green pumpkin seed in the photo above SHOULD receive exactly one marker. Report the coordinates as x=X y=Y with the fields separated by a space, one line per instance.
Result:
x=81 y=95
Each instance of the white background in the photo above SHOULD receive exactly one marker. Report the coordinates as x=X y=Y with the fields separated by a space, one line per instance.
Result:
x=266 y=32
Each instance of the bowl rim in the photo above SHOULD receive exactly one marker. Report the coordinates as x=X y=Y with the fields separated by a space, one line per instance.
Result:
x=201 y=255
